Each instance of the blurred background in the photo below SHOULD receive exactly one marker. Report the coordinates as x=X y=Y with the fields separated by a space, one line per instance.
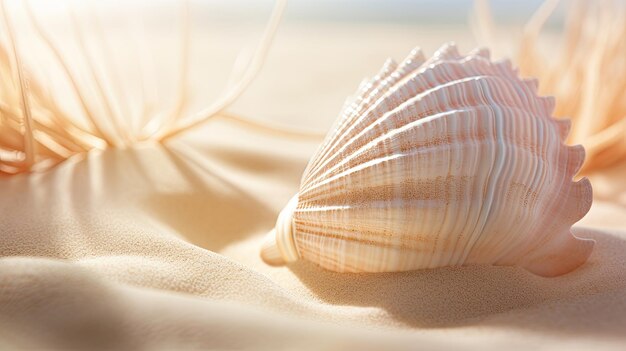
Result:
x=321 y=52
x=329 y=46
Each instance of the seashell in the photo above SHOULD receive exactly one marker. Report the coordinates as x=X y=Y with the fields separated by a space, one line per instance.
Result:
x=448 y=161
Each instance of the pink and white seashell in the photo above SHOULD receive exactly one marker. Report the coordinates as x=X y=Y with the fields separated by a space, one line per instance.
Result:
x=448 y=161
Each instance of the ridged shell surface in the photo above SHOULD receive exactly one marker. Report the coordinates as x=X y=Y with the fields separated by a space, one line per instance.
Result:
x=448 y=161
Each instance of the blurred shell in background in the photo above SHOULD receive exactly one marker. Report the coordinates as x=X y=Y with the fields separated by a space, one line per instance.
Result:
x=448 y=161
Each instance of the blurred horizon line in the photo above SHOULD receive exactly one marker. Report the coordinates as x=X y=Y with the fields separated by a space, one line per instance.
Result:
x=427 y=12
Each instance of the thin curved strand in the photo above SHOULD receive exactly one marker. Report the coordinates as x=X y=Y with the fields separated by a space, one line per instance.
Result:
x=29 y=145
x=183 y=77
x=115 y=119
x=269 y=128
x=68 y=73
x=114 y=74
x=233 y=94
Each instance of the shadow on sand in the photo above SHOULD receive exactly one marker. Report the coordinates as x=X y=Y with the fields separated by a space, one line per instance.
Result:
x=461 y=296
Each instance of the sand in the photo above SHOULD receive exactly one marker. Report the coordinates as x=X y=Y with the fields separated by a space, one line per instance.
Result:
x=156 y=247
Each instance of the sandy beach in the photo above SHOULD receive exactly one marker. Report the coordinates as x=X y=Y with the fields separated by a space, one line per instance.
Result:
x=157 y=246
